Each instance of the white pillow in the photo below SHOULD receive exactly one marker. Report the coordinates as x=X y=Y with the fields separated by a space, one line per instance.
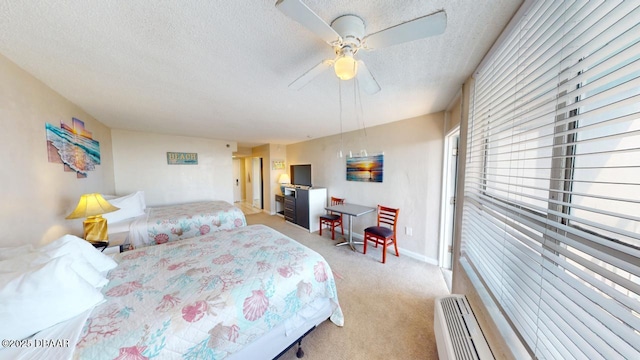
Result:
x=42 y=297
x=131 y=205
x=31 y=260
x=79 y=248
x=11 y=252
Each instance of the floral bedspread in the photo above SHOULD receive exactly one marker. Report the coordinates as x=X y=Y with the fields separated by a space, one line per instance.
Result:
x=184 y=221
x=204 y=297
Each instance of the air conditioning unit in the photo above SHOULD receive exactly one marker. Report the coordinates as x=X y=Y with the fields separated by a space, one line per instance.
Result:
x=458 y=335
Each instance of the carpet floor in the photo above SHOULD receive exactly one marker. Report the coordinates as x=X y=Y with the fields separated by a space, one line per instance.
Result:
x=388 y=308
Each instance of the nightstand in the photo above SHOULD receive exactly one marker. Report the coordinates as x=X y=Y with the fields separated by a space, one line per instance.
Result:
x=99 y=245
x=118 y=242
x=115 y=244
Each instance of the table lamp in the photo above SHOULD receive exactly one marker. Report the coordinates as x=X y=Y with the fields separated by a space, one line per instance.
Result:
x=91 y=207
x=284 y=179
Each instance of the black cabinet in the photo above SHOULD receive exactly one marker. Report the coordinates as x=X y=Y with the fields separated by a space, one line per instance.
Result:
x=303 y=206
x=290 y=208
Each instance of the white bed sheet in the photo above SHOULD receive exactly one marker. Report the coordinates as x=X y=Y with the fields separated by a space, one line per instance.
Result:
x=68 y=331
x=136 y=227
x=120 y=226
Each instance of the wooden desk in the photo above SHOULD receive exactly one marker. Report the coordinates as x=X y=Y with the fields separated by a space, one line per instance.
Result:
x=351 y=210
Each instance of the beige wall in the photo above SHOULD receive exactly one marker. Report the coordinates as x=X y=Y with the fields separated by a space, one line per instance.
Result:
x=412 y=176
x=278 y=152
x=35 y=194
x=454 y=115
x=140 y=163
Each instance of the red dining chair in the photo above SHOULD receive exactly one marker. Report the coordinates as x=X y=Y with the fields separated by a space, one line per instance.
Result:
x=385 y=232
x=332 y=219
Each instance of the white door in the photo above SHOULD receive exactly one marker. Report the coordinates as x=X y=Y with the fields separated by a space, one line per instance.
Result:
x=449 y=198
x=237 y=188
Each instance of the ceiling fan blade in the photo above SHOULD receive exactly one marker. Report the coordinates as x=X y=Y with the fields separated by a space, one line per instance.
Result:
x=369 y=83
x=303 y=80
x=422 y=27
x=298 y=11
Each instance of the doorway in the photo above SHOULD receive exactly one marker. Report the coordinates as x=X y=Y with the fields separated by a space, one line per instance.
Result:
x=448 y=207
x=257 y=199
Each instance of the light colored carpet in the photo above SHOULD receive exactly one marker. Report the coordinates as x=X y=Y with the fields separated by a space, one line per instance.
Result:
x=388 y=308
x=247 y=208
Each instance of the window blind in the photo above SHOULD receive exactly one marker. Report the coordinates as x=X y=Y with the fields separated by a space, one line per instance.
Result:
x=551 y=214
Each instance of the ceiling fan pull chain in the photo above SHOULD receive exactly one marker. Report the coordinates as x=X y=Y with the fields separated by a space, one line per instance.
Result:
x=364 y=127
x=357 y=96
x=340 y=103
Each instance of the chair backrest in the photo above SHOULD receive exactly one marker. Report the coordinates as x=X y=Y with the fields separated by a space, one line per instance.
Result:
x=336 y=201
x=388 y=216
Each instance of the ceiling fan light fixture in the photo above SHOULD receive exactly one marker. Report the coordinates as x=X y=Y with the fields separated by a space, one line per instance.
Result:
x=347 y=35
x=346 y=67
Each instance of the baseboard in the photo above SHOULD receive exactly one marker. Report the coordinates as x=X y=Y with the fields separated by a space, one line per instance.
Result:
x=417 y=256
x=298 y=226
x=404 y=252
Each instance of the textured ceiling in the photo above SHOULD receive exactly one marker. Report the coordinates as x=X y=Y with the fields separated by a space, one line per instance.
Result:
x=220 y=69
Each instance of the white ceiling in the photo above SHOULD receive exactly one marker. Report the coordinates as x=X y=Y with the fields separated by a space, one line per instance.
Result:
x=220 y=69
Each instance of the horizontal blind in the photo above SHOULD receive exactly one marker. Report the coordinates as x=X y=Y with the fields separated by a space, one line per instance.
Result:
x=551 y=216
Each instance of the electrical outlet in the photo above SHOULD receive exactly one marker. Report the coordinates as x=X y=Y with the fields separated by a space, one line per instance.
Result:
x=408 y=230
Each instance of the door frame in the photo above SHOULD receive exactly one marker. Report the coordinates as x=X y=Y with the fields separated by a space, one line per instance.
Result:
x=449 y=191
x=257 y=169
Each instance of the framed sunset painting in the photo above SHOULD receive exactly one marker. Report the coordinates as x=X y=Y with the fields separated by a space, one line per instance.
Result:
x=365 y=168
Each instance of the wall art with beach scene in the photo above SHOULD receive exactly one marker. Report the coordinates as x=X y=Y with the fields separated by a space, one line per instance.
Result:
x=73 y=146
x=365 y=168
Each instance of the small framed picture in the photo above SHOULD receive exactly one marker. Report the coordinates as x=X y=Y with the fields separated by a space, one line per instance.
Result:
x=182 y=158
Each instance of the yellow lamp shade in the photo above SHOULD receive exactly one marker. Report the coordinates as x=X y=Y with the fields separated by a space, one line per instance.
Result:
x=345 y=67
x=92 y=206
x=284 y=179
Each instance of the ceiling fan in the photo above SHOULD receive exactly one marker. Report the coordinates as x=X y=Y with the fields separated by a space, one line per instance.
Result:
x=346 y=35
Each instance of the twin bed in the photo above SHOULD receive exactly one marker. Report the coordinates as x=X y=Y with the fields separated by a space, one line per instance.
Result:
x=158 y=225
x=161 y=224
x=237 y=293
x=210 y=297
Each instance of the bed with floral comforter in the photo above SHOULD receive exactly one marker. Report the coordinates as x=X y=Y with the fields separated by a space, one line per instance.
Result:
x=204 y=297
x=183 y=221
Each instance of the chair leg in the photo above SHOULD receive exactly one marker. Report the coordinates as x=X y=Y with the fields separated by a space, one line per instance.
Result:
x=395 y=245
x=333 y=231
x=384 y=252
x=364 y=249
x=321 y=223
